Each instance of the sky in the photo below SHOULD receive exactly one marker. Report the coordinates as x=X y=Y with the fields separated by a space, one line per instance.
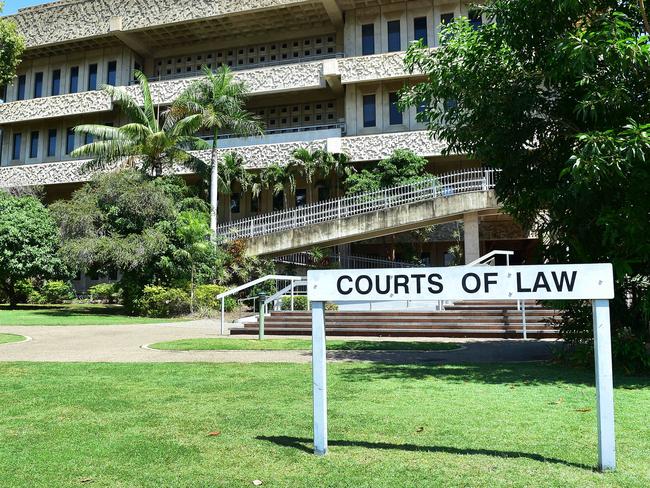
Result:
x=12 y=6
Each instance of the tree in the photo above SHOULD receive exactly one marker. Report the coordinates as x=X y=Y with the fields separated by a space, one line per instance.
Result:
x=12 y=46
x=146 y=141
x=278 y=179
x=193 y=230
x=555 y=93
x=339 y=165
x=400 y=168
x=149 y=229
x=29 y=240
x=220 y=102
x=232 y=172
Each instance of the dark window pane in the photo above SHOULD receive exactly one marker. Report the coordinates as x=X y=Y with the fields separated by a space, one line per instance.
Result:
x=22 y=81
x=367 y=39
x=69 y=141
x=323 y=193
x=88 y=139
x=369 y=111
x=420 y=108
x=111 y=75
x=255 y=204
x=92 y=77
x=447 y=18
x=51 y=142
x=235 y=202
x=395 y=115
x=450 y=104
x=394 y=41
x=33 y=145
x=56 y=82
x=74 y=79
x=301 y=197
x=38 y=85
x=475 y=18
x=278 y=201
x=18 y=141
x=420 y=29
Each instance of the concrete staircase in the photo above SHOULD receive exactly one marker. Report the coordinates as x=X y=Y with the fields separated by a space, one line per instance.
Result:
x=462 y=319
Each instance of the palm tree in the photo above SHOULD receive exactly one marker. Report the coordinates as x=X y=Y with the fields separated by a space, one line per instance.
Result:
x=231 y=172
x=143 y=142
x=278 y=178
x=309 y=164
x=339 y=165
x=221 y=103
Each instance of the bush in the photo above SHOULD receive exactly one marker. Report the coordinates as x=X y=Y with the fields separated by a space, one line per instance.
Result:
x=24 y=291
x=157 y=301
x=206 y=296
x=299 y=303
x=56 y=292
x=104 y=292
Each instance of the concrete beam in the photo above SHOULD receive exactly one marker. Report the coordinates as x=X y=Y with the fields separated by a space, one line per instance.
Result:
x=334 y=12
x=472 y=242
x=129 y=40
x=332 y=75
x=374 y=224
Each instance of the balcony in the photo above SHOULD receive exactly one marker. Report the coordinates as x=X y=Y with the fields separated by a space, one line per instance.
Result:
x=279 y=136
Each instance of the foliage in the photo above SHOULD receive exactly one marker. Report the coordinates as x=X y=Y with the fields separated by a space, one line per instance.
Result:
x=232 y=171
x=279 y=178
x=206 y=296
x=300 y=302
x=150 y=141
x=400 y=168
x=104 y=292
x=56 y=292
x=29 y=241
x=556 y=95
x=153 y=231
x=12 y=45
x=157 y=301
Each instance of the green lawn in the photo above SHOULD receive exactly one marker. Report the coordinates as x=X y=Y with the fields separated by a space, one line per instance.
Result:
x=71 y=314
x=149 y=425
x=222 y=344
x=8 y=338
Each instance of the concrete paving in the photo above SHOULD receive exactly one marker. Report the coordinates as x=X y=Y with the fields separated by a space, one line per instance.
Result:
x=125 y=343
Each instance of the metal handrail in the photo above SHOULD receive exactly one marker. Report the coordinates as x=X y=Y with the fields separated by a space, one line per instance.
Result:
x=446 y=185
x=285 y=130
x=351 y=261
x=490 y=257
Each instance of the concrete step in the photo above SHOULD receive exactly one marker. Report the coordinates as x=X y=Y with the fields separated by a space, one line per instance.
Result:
x=515 y=333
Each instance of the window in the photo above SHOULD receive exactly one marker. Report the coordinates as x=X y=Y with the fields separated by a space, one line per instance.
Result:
x=394 y=41
x=450 y=104
x=92 y=77
x=255 y=203
x=56 y=82
x=74 y=79
x=445 y=20
x=420 y=108
x=18 y=141
x=51 y=143
x=323 y=193
x=33 y=145
x=420 y=29
x=367 y=39
x=278 y=201
x=88 y=139
x=22 y=81
x=38 y=85
x=111 y=74
x=369 y=111
x=69 y=140
x=395 y=116
x=301 y=197
x=235 y=202
x=475 y=18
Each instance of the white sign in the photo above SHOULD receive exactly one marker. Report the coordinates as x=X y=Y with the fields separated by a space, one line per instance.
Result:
x=543 y=282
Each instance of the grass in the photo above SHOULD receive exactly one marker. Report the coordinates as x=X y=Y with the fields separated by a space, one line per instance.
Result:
x=298 y=344
x=149 y=425
x=8 y=338
x=71 y=314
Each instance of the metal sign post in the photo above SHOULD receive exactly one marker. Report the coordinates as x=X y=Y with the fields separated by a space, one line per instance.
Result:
x=568 y=282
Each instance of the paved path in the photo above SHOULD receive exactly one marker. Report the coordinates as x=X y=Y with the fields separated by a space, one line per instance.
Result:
x=123 y=343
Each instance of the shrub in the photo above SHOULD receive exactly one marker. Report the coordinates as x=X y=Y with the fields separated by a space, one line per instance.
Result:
x=104 y=292
x=206 y=296
x=56 y=292
x=24 y=290
x=157 y=301
x=299 y=303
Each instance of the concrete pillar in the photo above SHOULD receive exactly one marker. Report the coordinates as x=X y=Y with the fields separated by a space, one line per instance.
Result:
x=472 y=245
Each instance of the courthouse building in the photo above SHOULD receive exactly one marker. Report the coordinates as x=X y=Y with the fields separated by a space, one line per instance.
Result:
x=322 y=74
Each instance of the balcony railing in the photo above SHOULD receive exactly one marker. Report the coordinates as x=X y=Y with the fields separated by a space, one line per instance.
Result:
x=339 y=208
x=285 y=130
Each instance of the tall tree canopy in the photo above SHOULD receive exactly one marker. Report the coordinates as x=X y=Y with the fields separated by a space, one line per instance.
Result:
x=556 y=93
x=12 y=46
x=29 y=240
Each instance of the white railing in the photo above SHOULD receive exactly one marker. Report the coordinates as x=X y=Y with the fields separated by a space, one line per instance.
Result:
x=344 y=262
x=446 y=185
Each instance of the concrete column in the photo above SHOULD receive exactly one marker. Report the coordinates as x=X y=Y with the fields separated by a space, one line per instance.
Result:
x=472 y=244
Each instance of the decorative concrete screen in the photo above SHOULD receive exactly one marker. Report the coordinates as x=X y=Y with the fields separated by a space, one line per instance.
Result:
x=550 y=282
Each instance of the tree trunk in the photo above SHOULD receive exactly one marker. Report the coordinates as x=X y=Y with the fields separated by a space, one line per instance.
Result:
x=10 y=291
x=214 y=186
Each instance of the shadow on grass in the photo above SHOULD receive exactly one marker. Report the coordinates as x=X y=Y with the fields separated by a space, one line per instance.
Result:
x=517 y=374
x=68 y=310
x=305 y=445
